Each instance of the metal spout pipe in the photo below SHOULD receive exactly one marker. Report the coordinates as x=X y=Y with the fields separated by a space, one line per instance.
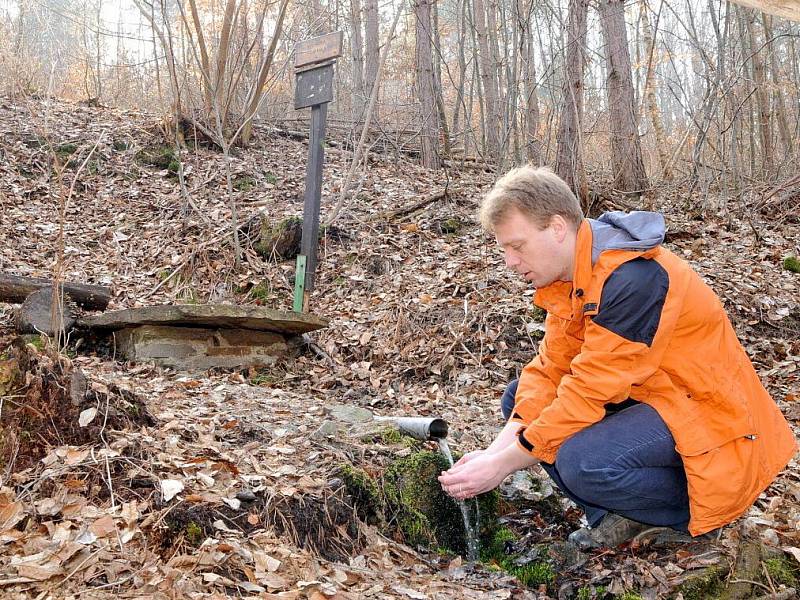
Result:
x=419 y=428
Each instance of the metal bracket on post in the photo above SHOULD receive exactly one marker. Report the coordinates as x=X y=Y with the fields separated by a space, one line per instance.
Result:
x=300 y=284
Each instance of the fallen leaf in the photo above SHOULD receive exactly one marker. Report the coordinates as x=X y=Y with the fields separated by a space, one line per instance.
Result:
x=171 y=488
x=410 y=592
x=795 y=552
x=87 y=416
x=103 y=526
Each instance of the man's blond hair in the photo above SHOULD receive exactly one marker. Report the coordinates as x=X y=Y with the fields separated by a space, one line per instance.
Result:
x=537 y=193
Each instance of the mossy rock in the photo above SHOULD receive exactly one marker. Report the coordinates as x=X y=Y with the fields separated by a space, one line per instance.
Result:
x=450 y=225
x=423 y=514
x=281 y=239
x=707 y=583
x=365 y=494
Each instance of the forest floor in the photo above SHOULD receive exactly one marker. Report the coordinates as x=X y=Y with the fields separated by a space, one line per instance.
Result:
x=424 y=320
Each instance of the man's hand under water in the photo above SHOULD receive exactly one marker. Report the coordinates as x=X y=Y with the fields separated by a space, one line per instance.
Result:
x=483 y=470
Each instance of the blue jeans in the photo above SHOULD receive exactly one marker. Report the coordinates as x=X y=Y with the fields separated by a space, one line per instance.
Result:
x=625 y=464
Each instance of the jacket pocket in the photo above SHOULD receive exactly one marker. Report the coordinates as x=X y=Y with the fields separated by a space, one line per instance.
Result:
x=720 y=417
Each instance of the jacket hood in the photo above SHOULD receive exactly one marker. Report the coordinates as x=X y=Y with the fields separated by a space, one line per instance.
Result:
x=618 y=230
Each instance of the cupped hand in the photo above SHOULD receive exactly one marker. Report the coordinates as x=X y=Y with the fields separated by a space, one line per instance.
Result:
x=477 y=475
x=469 y=456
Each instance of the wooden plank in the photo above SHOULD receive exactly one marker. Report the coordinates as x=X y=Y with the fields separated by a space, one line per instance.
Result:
x=208 y=315
x=786 y=9
x=318 y=49
x=15 y=288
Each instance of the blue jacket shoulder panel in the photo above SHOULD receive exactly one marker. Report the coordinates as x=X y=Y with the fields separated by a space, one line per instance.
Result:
x=632 y=300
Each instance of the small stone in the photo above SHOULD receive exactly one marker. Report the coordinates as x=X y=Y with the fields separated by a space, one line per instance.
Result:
x=749 y=525
x=770 y=537
x=246 y=495
x=327 y=429
x=351 y=414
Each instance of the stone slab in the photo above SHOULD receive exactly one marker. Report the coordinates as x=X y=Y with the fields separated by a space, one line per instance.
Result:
x=214 y=316
x=196 y=349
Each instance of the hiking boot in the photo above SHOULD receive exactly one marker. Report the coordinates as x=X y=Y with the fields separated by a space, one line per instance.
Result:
x=662 y=536
x=612 y=531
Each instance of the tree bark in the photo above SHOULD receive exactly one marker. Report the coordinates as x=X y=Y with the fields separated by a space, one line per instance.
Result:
x=15 y=289
x=437 y=79
x=777 y=93
x=533 y=145
x=626 y=150
x=357 y=44
x=650 y=82
x=569 y=153
x=762 y=99
x=491 y=121
x=266 y=64
x=372 y=55
x=425 y=86
x=36 y=315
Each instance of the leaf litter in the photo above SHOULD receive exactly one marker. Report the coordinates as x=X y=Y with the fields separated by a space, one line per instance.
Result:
x=204 y=500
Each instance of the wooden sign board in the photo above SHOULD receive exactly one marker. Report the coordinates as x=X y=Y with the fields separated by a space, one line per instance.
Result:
x=318 y=49
x=787 y=9
x=314 y=86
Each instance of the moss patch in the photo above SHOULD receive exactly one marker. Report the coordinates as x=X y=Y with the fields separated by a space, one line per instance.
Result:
x=709 y=583
x=161 y=157
x=281 y=239
x=450 y=226
x=244 y=183
x=500 y=553
x=791 y=263
x=365 y=493
x=65 y=151
x=590 y=592
x=782 y=571
x=422 y=514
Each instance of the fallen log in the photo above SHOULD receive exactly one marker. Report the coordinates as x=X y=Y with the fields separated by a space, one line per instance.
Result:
x=15 y=289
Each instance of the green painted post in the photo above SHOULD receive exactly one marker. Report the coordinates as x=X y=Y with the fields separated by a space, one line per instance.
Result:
x=300 y=284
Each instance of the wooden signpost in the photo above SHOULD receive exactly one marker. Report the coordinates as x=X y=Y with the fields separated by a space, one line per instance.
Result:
x=313 y=62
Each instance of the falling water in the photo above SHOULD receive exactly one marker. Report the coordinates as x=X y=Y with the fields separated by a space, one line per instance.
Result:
x=469 y=530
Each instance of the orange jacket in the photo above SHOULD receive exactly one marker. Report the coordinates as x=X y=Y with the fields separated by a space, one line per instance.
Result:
x=637 y=322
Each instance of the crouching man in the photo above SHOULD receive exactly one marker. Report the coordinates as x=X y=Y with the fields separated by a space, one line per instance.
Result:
x=641 y=405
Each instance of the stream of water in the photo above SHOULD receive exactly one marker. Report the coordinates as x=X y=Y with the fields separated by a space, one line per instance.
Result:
x=470 y=532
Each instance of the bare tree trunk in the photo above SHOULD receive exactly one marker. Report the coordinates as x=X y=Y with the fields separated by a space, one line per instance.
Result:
x=222 y=56
x=626 y=150
x=762 y=98
x=204 y=61
x=496 y=75
x=462 y=68
x=357 y=43
x=425 y=83
x=569 y=153
x=437 y=79
x=777 y=95
x=491 y=121
x=257 y=93
x=372 y=57
x=650 y=82
x=533 y=145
